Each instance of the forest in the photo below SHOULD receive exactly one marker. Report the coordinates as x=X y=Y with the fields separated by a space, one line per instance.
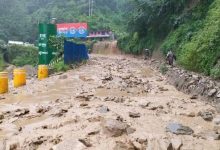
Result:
x=191 y=28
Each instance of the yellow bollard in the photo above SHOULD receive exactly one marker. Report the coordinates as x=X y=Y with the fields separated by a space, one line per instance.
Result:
x=3 y=82
x=42 y=72
x=19 y=77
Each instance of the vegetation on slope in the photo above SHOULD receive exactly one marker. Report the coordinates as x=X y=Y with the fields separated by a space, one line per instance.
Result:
x=191 y=28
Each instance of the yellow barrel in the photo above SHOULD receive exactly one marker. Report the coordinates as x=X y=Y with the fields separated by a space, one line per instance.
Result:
x=19 y=77
x=42 y=72
x=3 y=82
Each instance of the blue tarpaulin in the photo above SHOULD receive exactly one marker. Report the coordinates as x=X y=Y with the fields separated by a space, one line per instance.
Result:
x=74 y=52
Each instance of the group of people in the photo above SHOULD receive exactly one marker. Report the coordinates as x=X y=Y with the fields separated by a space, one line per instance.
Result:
x=170 y=58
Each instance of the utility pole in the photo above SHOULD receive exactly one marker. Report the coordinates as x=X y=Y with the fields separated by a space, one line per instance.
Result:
x=92 y=7
x=91 y=4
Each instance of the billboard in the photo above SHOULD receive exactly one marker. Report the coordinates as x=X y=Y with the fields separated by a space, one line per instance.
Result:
x=72 y=30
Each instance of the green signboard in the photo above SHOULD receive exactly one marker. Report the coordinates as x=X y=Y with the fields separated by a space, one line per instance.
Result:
x=46 y=51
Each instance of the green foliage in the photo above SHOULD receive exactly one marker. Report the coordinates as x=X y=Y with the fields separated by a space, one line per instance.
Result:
x=21 y=55
x=151 y=21
x=215 y=73
x=19 y=19
x=60 y=67
x=1 y=63
x=197 y=41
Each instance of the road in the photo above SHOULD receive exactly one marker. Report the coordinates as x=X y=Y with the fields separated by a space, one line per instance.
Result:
x=113 y=103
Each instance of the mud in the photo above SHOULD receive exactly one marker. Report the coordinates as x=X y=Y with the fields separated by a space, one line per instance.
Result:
x=72 y=112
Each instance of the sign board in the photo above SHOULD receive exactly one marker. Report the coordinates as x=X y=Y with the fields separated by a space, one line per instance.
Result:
x=46 y=51
x=72 y=30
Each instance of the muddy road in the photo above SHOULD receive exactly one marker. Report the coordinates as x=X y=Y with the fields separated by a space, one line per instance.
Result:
x=111 y=103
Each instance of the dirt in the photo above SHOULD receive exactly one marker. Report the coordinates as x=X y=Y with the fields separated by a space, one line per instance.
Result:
x=106 y=47
x=122 y=91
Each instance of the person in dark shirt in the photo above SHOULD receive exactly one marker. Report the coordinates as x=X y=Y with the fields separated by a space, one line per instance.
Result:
x=170 y=57
x=146 y=54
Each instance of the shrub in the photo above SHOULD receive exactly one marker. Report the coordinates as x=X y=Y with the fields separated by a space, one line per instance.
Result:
x=22 y=55
x=60 y=67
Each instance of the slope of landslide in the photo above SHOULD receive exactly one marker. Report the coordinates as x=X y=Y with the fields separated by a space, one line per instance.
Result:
x=112 y=102
x=106 y=47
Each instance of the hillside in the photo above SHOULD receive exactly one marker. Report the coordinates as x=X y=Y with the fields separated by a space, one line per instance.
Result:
x=191 y=28
x=19 y=19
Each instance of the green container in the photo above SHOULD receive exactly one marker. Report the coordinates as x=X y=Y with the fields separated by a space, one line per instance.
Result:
x=45 y=50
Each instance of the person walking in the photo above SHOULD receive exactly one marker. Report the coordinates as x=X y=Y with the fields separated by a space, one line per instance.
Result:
x=170 y=57
x=146 y=54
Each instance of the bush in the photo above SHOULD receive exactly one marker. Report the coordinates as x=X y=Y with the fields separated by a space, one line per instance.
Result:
x=60 y=67
x=197 y=41
x=22 y=55
x=1 y=64
x=215 y=73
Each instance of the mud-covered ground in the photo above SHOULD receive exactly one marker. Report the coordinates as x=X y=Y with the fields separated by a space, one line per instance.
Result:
x=111 y=103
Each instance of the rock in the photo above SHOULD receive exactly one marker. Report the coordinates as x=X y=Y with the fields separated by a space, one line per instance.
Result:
x=42 y=109
x=142 y=141
x=159 y=79
x=60 y=113
x=138 y=146
x=84 y=104
x=56 y=140
x=1 y=116
x=210 y=135
x=134 y=115
x=217 y=120
x=130 y=130
x=63 y=77
x=217 y=107
x=176 y=144
x=179 y=129
x=12 y=145
x=145 y=105
x=156 y=107
x=163 y=89
x=194 y=97
x=212 y=92
x=108 y=78
x=218 y=95
x=93 y=133
x=1 y=98
x=113 y=127
x=21 y=112
x=103 y=109
x=124 y=146
x=207 y=116
x=86 y=142
x=70 y=145
x=192 y=114
x=217 y=129
x=84 y=97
